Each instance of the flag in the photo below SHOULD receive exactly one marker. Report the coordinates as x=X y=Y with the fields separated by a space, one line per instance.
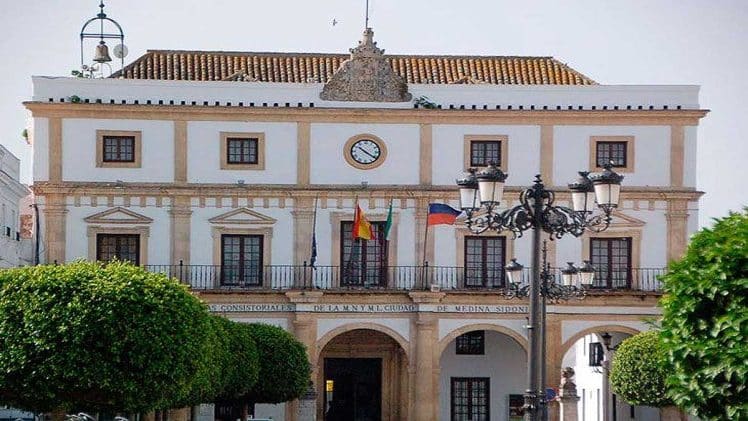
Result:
x=388 y=224
x=313 y=257
x=439 y=214
x=361 y=227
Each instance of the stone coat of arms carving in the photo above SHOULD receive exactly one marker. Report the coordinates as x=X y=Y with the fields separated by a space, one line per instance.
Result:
x=366 y=77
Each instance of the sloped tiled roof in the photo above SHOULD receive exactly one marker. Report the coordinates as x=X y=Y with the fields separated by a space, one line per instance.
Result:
x=317 y=67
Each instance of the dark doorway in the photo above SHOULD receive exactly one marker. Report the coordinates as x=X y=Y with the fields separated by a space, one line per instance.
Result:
x=353 y=389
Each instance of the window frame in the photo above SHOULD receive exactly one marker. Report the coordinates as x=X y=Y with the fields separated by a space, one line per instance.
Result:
x=225 y=137
x=453 y=381
x=485 y=263
x=473 y=343
x=101 y=137
x=628 y=152
x=629 y=261
x=241 y=280
x=503 y=140
x=383 y=263
x=101 y=236
x=595 y=354
x=244 y=142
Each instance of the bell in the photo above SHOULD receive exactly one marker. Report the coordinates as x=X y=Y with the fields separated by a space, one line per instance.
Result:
x=102 y=53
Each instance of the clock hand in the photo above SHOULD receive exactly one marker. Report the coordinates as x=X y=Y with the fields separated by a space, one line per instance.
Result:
x=366 y=152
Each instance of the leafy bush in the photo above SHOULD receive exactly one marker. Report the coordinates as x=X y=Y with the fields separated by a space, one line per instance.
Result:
x=243 y=365
x=639 y=369
x=284 y=368
x=705 y=322
x=99 y=338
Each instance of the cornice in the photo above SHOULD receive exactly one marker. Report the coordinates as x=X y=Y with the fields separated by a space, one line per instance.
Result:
x=358 y=115
x=325 y=191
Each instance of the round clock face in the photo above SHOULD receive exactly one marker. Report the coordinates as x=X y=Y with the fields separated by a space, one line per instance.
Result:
x=365 y=151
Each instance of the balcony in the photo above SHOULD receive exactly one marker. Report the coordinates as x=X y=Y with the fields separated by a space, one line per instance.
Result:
x=380 y=278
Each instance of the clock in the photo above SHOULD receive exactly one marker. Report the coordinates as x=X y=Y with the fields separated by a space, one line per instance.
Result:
x=365 y=151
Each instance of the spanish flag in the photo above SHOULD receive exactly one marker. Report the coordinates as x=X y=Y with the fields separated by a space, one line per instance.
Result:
x=361 y=227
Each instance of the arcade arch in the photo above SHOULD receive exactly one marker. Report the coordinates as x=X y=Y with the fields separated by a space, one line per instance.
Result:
x=362 y=373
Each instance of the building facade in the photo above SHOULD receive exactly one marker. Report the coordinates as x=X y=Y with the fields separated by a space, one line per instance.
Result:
x=219 y=168
x=15 y=241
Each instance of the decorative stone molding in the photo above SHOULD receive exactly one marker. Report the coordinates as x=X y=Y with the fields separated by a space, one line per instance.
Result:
x=118 y=215
x=242 y=216
x=567 y=396
x=366 y=77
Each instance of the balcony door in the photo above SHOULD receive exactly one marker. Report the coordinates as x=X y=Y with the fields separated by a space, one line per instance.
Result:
x=241 y=260
x=485 y=258
x=364 y=262
x=611 y=258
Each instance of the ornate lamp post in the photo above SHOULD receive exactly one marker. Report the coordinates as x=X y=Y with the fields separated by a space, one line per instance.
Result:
x=480 y=196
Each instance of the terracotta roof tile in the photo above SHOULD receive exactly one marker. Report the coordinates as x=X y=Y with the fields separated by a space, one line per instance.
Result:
x=314 y=67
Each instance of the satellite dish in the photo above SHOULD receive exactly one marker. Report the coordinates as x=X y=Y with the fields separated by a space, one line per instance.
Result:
x=120 y=51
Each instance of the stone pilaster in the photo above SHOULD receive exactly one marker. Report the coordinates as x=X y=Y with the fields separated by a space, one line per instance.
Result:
x=567 y=396
x=553 y=351
x=303 y=223
x=425 y=388
x=677 y=229
x=421 y=214
x=181 y=218
x=55 y=218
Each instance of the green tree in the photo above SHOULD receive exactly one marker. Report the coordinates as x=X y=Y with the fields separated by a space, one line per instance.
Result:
x=705 y=322
x=639 y=369
x=98 y=338
x=284 y=368
x=243 y=362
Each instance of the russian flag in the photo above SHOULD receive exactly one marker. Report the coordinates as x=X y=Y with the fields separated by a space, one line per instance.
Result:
x=439 y=214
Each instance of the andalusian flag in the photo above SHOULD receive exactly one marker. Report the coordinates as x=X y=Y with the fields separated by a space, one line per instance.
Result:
x=388 y=224
x=361 y=227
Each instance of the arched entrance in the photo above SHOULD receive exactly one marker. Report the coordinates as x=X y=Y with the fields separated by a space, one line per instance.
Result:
x=587 y=353
x=483 y=371
x=363 y=376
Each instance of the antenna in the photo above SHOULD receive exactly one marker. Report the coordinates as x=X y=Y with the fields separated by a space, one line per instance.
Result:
x=366 y=24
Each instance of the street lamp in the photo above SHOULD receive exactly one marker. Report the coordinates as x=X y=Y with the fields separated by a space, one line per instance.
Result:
x=480 y=196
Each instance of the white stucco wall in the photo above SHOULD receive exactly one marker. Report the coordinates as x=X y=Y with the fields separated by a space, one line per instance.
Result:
x=40 y=149
x=79 y=151
x=651 y=151
x=448 y=151
x=504 y=362
x=329 y=167
x=204 y=159
x=159 y=244
x=201 y=235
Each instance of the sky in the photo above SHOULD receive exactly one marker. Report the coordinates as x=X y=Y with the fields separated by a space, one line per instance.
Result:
x=614 y=42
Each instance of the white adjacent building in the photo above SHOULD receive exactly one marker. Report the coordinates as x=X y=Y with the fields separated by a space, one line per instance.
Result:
x=15 y=248
x=217 y=167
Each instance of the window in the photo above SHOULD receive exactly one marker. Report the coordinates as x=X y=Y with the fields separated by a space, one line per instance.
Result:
x=241 y=260
x=484 y=261
x=611 y=258
x=118 y=149
x=241 y=150
x=485 y=152
x=364 y=262
x=470 y=399
x=596 y=354
x=480 y=150
x=615 y=150
x=471 y=343
x=611 y=152
x=124 y=247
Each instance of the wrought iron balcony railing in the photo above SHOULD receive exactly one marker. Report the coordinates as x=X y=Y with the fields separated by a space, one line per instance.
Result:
x=282 y=277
